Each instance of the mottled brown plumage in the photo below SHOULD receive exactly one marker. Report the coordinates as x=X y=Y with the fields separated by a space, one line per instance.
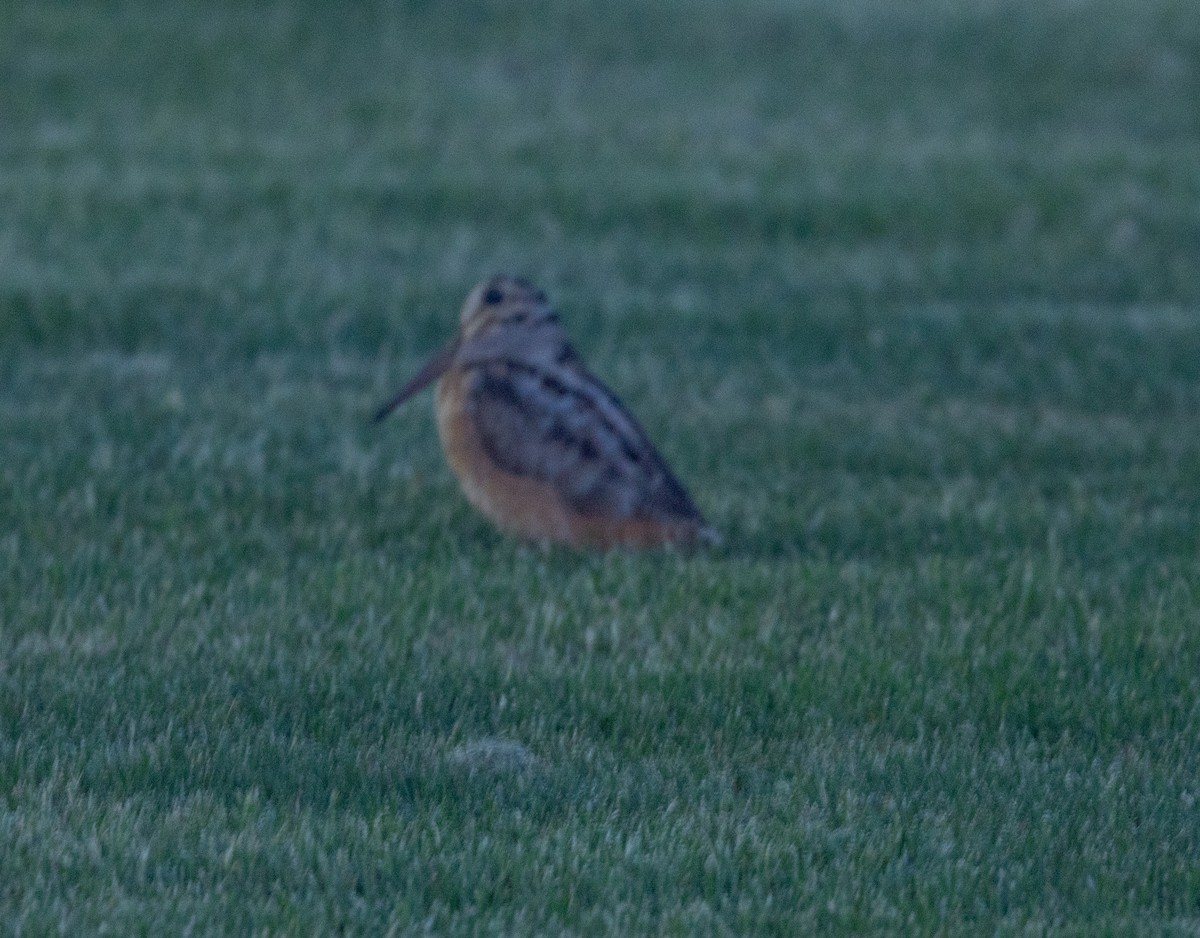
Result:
x=537 y=442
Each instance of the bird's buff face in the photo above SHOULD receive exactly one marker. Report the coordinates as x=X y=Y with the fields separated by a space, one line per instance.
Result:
x=504 y=303
x=501 y=315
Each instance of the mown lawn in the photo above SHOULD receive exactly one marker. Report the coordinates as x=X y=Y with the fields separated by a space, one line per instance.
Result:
x=908 y=293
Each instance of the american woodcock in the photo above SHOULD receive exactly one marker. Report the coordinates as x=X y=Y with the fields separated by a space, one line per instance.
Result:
x=537 y=442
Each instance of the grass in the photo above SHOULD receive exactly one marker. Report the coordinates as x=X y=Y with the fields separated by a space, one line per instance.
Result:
x=908 y=295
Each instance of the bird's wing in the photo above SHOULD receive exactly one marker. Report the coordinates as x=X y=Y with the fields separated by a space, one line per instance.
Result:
x=561 y=425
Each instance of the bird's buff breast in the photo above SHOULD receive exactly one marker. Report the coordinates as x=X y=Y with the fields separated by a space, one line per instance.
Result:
x=526 y=506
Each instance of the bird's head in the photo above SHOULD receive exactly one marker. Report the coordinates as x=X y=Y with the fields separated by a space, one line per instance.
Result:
x=505 y=303
x=503 y=316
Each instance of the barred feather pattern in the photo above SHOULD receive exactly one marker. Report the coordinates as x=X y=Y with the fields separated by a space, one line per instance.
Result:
x=563 y=427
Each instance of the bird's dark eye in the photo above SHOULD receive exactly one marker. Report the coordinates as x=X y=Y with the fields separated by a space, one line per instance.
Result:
x=493 y=296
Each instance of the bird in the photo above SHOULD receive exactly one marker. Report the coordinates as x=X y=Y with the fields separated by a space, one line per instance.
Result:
x=537 y=442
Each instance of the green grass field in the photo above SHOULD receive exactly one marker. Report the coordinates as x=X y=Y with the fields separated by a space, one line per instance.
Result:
x=908 y=293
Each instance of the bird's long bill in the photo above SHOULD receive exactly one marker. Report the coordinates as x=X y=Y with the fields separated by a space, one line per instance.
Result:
x=432 y=370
